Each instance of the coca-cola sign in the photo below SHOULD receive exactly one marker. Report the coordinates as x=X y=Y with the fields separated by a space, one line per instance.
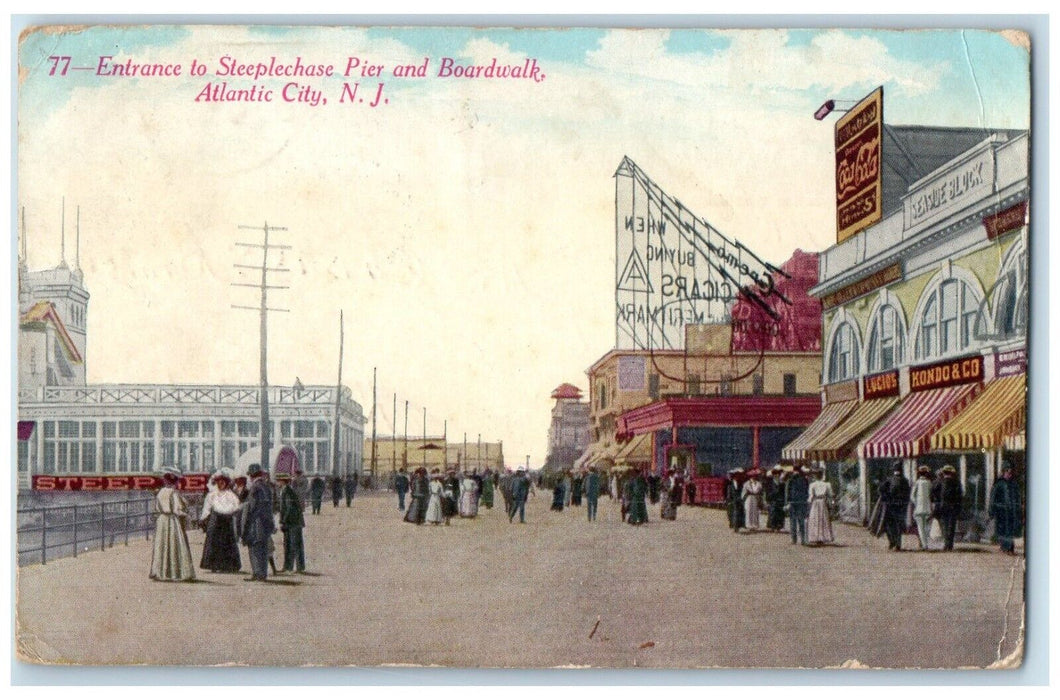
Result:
x=858 y=152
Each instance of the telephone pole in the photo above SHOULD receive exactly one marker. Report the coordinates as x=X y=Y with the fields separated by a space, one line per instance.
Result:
x=374 y=432
x=337 y=462
x=263 y=309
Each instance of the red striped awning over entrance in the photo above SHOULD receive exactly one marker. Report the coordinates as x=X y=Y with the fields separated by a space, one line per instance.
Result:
x=1000 y=410
x=907 y=432
x=829 y=418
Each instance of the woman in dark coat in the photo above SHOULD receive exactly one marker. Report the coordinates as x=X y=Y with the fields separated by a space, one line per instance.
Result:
x=576 y=490
x=558 y=496
x=1006 y=508
x=638 y=492
x=419 y=491
x=220 y=509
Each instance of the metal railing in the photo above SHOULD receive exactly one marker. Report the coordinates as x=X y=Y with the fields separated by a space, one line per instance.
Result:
x=51 y=532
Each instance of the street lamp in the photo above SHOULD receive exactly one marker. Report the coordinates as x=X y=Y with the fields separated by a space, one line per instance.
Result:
x=824 y=110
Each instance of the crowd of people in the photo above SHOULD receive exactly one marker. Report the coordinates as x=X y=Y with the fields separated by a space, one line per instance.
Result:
x=249 y=509
x=236 y=510
x=801 y=501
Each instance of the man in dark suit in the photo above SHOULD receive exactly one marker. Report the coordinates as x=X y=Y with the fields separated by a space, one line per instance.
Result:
x=401 y=485
x=316 y=492
x=894 y=496
x=946 y=499
x=258 y=524
x=350 y=488
x=336 y=490
x=591 y=485
x=797 y=497
x=520 y=492
x=291 y=523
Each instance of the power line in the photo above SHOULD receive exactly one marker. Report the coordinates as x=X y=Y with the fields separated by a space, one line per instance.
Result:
x=263 y=310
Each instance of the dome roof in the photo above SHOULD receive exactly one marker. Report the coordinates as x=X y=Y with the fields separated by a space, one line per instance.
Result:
x=566 y=391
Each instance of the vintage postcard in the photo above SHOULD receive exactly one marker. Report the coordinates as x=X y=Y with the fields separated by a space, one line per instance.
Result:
x=522 y=347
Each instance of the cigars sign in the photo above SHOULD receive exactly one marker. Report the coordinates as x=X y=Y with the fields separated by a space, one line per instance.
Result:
x=114 y=482
x=858 y=154
x=962 y=370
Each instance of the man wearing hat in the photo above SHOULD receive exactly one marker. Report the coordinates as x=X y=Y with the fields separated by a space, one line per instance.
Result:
x=592 y=493
x=774 y=493
x=920 y=497
x=797 y=499
x=258 y=526
x=520 y=492
x=894 y=498
x=401 y=485
x=947 y=497
x=733 y=500
x=349 y=488
x=292 y=520
x=1006 y=508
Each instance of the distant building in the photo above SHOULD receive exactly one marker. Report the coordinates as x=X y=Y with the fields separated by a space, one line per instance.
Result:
x=568 y=434
x=433 y=452
x=69 y=427
x=733 y=397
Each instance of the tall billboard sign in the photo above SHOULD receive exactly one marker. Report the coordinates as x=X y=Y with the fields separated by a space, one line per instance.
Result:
x=672 y=268
x=858 y=175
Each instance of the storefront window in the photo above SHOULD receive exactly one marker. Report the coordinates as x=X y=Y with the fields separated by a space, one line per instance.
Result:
x=843 y=360
x=886 y=340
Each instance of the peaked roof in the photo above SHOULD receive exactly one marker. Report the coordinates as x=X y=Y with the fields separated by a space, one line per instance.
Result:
x=912 y=152
x=566 y=391
x=43 y=313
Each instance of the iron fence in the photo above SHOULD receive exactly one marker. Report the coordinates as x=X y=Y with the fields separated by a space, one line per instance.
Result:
x=51 y=532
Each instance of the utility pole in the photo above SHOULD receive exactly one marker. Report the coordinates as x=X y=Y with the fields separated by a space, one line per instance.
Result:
x=405 y=457
x=263 y=309
x=445 y=443
x=393 y=437
x=337 y=449
x=423 y=447
x=374 y=432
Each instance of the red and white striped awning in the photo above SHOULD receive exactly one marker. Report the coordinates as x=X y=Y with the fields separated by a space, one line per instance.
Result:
x=907 y=432
x=829 y=418
x=1000 y=410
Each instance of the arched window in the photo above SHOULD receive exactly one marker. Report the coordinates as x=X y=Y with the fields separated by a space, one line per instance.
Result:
x=886 y=340
x=1010 y=297
x=947 y=323
x=843 y=360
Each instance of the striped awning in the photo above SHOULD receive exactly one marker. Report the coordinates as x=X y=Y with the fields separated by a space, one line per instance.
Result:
x=907 y=432
x=838 y=443
x=827 y=420
x=999 y=410
x=1016 y=441
x=583 y=461
x=636 y=451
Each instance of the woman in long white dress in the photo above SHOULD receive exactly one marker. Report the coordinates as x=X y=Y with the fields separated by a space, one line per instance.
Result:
x=819 y=522
x=751 y=495
x=468 y=506
x=171 y=555
x=434 y=500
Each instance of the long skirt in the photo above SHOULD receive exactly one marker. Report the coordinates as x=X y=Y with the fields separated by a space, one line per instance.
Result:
x=576 y=495
x=416 y=511
x=221 y=551
x=638 y=512
x=667 y=508
x=819 y=523
x=468 y=504
x=775 y=521
x=751 y=512
x=171 y=557
x=557 y=499
x=487 y=494
x=434 y=509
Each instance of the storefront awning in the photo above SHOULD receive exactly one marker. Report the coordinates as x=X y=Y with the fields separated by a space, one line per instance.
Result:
x=838 y=443
x=636 y=451
x=829 y=418
x=1016 y=441
x=999 y=410
x=907 y=432
x=583 y=461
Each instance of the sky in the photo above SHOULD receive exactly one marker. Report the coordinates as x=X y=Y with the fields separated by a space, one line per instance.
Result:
x=464 y=227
